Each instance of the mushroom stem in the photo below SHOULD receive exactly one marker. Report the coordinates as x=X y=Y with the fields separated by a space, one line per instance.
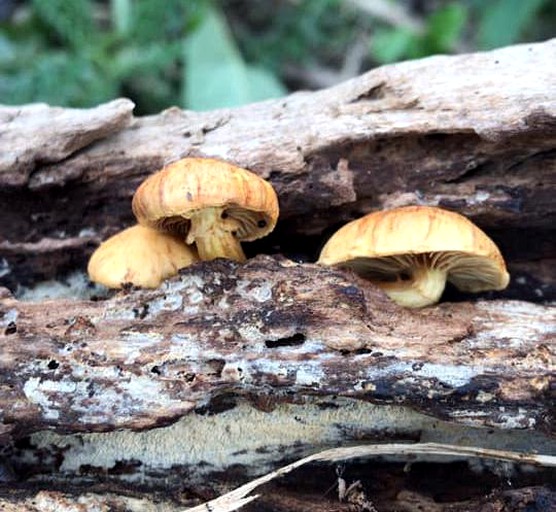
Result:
x=423 y=288
x=214 y=234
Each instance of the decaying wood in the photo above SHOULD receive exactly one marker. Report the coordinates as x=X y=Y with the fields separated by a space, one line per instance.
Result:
x=233 y=351
x=243 y=495
x=523 y=499
x=347 y=495
x=475 y=133
x=221 y=327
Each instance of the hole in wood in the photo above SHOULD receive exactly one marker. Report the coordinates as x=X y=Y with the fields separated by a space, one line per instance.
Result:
x=53 y=364
x=297 y=339
x=11 y=328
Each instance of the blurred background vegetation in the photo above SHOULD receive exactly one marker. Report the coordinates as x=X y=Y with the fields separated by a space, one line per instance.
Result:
x=204 y=54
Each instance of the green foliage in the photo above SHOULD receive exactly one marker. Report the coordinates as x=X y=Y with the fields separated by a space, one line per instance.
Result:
x=297 y=32
x=72 y=22
x=204 y=54
x=489 y=24
x=443 y=30
x=62 y=54
x=121 y=12
x=58 y=75
x=502 y=22
x=215 y=73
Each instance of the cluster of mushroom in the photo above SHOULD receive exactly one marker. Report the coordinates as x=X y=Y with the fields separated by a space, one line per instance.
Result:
x=194 y=209
x=201 y=209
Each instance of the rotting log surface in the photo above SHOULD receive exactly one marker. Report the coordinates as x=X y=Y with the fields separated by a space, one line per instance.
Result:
x=282 y=499
x=474 y=133
x=145 y=358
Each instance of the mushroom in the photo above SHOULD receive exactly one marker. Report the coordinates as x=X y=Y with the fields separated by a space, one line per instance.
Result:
x=210 y=203
x=141 y=256
x=411 y=252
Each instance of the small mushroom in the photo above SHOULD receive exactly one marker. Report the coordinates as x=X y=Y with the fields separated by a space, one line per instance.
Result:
x=141 y=256
x=210 y=203
x=411 y=252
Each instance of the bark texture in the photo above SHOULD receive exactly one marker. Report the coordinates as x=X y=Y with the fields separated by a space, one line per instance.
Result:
x=221 y=328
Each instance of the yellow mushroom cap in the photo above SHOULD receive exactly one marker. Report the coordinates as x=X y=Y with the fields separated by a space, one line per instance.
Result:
x=168 y=198
x=141 y=256
x=386 y=244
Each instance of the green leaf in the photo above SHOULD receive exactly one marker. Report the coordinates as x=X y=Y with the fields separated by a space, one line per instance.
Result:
x=215 y=74
x=263 y=84
x=390 y=45
x=155 y=20
x=71 y=20
x=121 y=16
x=445 y=27
x=8 y=51
x=503 y=21
x=58 y=78
x=443 y=30
x=148 y=59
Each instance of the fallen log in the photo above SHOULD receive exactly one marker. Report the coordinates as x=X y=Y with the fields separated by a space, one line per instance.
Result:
x=474 y=133
x=228 y=369
x=222 y=328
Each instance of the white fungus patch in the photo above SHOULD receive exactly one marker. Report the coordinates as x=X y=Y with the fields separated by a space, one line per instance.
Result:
x=242 y=435
x=74 y=286
x=520 y=419
x=179 y=295
x=9 y=317
x=190 y=282
x=134 y=343
x=133 y=390
x=185 y=346
x=506 y=419
x=251 y=331
x=110 y=373
x=168 y=302
x=39 y=392
x=309 y=373
x=479 y=197
x=276 y=368
x=253 y=438
x=261 y=293
x=535 y=323
x=451 y=375
x=110 y=312
x=313 y=346
x=195 y=297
